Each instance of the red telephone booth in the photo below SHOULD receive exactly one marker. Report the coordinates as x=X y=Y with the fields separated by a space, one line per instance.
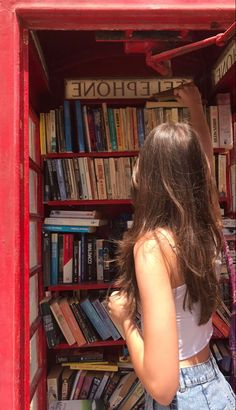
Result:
x=23 y=380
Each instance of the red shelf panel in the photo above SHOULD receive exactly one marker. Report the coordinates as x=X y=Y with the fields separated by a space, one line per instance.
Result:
x=90 y=202
x=101 y=343
x=82 y=286
x=96 y=154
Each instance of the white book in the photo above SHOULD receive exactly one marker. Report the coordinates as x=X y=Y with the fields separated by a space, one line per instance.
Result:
x=83 y=178
x=75 y=384
x=87 y=177
x=75 y=221
x=225 y=120
x=75 y=214
x=101 y=386
x=214 y=125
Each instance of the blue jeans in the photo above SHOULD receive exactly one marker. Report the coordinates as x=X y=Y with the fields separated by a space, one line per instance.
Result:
x=201 y=387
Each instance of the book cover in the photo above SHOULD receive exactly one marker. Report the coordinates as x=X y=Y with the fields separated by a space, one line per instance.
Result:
x=60 y=178
x=60 y=318
x=73 y=324
x=124 y=385
x=94 y=318
x=220 y=324
x=54 y=383
x=133 y=396
x=67 y=378
x=49 y=323
x=102 y=385
x=214 y=125
x=106 y=319
x=100 y=177
x=86 y=386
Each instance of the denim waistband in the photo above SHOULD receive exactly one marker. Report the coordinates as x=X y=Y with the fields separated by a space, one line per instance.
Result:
x=198 y=374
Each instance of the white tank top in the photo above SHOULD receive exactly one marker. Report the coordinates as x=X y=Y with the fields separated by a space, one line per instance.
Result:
x=192 y=337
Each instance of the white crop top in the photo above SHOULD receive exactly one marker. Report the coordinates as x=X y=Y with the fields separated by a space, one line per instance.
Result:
x=192 y=337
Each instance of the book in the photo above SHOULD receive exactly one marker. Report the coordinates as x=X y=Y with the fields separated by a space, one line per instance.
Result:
x=54 y=259
x=94 y=318
x=80 y=127
x=225 y=120
x=220 y=324
x=75 y=383
x=54 y=383
x=213 y=120
x=122 y=390
x=67 y=378
x=67 y=123
x=69 y=228
x=102 y=385
x=94 y=214
x=46 y=254
x=133 y=396
x=49 y=323
x=61 y=320
x=76 y=405
x=73 y=324
x=75 y=221
x=106 y=319
x=110 y=367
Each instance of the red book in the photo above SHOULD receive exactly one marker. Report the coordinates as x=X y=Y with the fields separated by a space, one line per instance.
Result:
x=79 y=384
x=72 y=322
x=220 y=324
x=67 y=258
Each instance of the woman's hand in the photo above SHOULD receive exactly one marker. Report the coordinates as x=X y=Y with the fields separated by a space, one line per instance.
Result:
x=118 y=308
x=188 y=95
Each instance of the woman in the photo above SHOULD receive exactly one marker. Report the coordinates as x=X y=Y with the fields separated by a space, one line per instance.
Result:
x=167 y=267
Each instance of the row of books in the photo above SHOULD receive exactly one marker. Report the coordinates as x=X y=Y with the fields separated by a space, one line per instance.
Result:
x=80 y=322
x=113 y=389
x=79 y=128
x=222 y=355
x=221 y=319
x=87 y=178
x=70 y=258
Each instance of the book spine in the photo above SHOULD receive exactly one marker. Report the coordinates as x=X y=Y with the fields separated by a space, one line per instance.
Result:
x=54 y=259
x=49 y=324
x=67 y=258
x=42 y=131
x=46 y=259
x=67 y=228
x=56 y=310
x=214 y=125
x=112 y=129
x=79 y=123
x=67 y=123
x=53 y=131
x=81 y=323
x=60 y=178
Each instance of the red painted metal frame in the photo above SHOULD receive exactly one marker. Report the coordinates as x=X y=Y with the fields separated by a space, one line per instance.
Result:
x=83 y=15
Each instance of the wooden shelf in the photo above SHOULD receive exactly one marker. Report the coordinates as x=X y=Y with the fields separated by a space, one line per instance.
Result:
x=102 y=343
x=96 y=202
x=81 y=286
x=96 y=154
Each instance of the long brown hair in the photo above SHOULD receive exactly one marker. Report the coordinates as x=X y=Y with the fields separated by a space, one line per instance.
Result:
x=173 y=188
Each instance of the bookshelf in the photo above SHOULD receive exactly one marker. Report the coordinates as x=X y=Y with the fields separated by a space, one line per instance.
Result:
x=111 y=207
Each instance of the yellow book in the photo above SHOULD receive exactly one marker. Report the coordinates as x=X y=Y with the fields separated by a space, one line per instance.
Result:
x=111 y=367
x=42 y=132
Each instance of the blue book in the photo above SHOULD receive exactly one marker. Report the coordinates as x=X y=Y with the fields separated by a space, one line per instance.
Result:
x=68 y=228
x=141 y=132
x=60 y=179
x=112 y=129
x=80 y=128
x=54 y=259
x=106 y=319
x=94 y=318
x=67 y=125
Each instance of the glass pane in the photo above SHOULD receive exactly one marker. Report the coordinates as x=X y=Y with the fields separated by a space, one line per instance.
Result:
x=33 y=244
x=33 y=184
x=34 y=360
x=34 y=402
x=32 y=140
x=34 y=311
